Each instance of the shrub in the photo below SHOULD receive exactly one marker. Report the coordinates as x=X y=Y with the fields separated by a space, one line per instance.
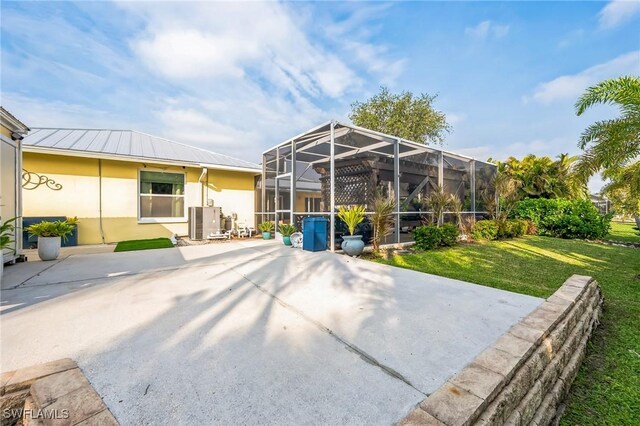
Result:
x=427 y=237
x=286 y=229
x=6 y=233
x=532 y=229
x=266 y=226
x=496 y=229
x=59 y=228
x=448 y=234
x=564 y=218
x=512 y=228
x=351 y=216
x=485 y=230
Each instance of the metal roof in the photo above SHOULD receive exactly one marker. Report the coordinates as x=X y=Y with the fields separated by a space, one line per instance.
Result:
x=128 y=145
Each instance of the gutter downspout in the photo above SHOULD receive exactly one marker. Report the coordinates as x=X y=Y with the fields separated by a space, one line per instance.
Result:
x=100 y=200
x=204 y=181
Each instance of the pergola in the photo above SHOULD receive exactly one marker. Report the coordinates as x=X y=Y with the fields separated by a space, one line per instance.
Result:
x=337 y=164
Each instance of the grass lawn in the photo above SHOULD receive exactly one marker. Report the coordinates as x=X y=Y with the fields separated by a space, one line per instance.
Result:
x=153 y=243
x=624 y=232
x=607 y=388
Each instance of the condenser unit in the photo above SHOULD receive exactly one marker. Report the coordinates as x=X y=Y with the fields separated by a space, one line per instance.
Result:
x=203 y=222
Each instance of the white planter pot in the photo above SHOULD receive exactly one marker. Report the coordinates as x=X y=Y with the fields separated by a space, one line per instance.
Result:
x=49 y=248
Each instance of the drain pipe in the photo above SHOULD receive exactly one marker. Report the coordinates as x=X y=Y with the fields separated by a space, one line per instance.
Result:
x=100 y=200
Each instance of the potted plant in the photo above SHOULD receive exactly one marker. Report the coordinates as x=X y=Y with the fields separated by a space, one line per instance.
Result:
x=286 y=230
x=50 y=235
x=352 y=217
x=267 y=229
x=6 y=234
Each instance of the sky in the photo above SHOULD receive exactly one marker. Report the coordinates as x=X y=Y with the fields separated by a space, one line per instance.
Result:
x=240 y=77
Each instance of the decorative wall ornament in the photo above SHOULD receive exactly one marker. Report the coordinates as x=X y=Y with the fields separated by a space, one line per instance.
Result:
x=32 y=180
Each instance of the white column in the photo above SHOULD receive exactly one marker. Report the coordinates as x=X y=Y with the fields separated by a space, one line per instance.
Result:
x=332 y=176
x=396 y=184
x=292 y=203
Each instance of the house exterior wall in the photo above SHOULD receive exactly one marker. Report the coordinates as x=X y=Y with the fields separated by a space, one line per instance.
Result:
x=9 y=189
x=119 y=185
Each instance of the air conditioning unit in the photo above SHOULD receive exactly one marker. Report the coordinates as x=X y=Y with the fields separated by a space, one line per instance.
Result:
x=203 y=221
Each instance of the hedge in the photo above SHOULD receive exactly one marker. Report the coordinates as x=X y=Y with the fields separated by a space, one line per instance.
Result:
x=428 y=237
x=563 y=218
x=494 y=229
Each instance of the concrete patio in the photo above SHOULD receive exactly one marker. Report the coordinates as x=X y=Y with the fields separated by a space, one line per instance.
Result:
x=250 y=332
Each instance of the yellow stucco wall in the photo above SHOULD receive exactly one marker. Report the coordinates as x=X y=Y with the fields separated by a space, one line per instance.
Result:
x=79 y=196
x=300 y=199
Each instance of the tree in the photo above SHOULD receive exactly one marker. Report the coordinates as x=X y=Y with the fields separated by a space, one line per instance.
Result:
x=623 y=190
x=403 y=115
x=542 y=177
x=610 y=145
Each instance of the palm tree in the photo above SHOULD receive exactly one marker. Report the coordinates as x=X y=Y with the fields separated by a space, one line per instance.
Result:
x=542 y=177
x=610 y=144
x=438 y=201
x=624 y=185
x=382 y=219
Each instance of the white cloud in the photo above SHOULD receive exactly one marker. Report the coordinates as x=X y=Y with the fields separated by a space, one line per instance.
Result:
x=617 y=13
x=487 y=29
x=572 y=86
x=232 y=40
x=235 y=78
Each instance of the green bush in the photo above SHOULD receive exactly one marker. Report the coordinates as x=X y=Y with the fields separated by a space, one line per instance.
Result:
x=59 y=228
x=512 y=228
x=267 y=226
x=448 y=234
x=428 y=237
x=286 y=229
x=564 y=218
x=498 y=229
x=485 y=230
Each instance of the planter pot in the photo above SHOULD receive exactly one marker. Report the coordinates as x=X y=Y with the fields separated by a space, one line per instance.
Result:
x=353 y=245
x=286 y=240
x=49 y=248
x=266 y=235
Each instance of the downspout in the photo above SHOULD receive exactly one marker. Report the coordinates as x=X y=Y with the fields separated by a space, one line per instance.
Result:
x=100 y=200
x=204 y=184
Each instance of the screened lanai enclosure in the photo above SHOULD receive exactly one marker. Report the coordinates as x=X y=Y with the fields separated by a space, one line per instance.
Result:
x=336 y=164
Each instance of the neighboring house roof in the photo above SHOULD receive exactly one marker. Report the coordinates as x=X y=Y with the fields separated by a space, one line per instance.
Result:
x=128 y=145
x=9 y=121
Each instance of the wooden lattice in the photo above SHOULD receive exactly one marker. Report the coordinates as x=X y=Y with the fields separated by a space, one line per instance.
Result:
x=355 y=183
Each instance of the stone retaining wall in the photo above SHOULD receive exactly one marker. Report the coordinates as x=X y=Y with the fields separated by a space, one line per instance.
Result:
x=525 y=375
x=54 y=393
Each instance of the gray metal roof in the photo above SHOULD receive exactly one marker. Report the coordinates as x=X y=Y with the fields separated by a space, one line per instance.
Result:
x=128 y=144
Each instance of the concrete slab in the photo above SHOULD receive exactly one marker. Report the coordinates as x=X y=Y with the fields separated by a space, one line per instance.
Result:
x=425 y=327
x=252 y=332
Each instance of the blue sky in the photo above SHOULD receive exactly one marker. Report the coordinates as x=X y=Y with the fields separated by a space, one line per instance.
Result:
x=238 y=78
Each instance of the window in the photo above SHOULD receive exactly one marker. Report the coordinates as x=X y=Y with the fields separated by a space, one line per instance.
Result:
x=312 y=204
x=161 y=195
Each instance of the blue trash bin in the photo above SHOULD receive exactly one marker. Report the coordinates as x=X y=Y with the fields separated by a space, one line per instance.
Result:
x=314 y=234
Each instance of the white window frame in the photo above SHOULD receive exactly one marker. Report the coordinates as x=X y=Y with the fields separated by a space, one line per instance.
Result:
x=162 y=219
